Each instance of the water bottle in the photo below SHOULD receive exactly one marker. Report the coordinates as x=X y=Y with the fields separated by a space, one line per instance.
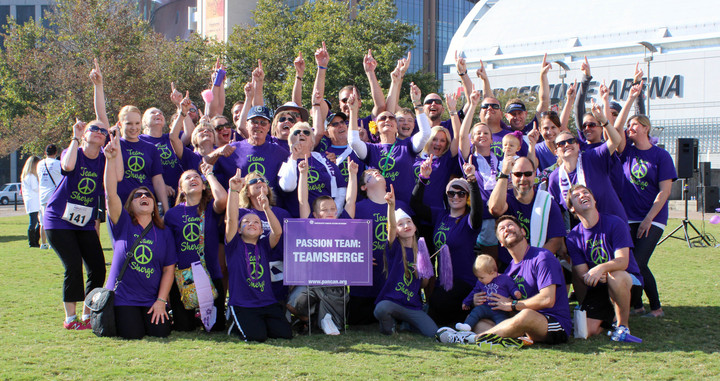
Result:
x=622 y=333
x=160 y=209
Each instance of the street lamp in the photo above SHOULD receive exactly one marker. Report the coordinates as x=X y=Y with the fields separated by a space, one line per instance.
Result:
x=648 y=47
x=562 y=75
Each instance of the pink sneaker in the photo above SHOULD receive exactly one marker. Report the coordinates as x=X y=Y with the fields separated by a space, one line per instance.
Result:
x=76 y=325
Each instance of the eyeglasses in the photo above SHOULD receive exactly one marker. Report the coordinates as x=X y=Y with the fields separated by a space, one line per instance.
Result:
x=452 y=194
x=548 y=113
x=99 y=129
x=494 y=106
x=257 y=180
x=139 y=194
x=521 y=174
x=286 y=118
x=304 y=132
x=433 y=100
x=220 y=127
x=386 y=117
x=589 y=124
x=261 y=122
x=565 y=142
x=338 y=124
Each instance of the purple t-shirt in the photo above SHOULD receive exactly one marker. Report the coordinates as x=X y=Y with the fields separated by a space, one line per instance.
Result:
x=141 y=162
x=171 y=166
x=496 y=146
x=460 y=237
x=598 y=244
x=485 y=189
x=644 y=170
x=338 y=151
x=141 y=282
x=395 y=162
x=377 y=214
x=399 y=287
x=184 y=221
x=279 y=142
x=190 y=159
x=248 y=273
x=539 y=269
x=442 y=168
x=82 y=186
x=597 y=166
x=265 y=159
x=319 y=183
x=502 y=285
x=546 y=157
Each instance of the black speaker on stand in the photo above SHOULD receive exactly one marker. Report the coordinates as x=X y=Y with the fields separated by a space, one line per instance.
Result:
x=686 y=162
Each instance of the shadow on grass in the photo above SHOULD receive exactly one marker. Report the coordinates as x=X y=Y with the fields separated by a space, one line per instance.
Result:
x=12 y=238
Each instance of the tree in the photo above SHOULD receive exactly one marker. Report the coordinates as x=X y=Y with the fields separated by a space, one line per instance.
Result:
x=44 y=77
x=279 y=35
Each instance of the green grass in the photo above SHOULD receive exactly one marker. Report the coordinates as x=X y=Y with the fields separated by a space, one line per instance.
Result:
x=683 y=345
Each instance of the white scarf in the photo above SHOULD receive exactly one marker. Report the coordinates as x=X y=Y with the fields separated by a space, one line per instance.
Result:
x=564 y=179
x=333 y=183
x=340 y=158
x=488 y=172
x=539 y=218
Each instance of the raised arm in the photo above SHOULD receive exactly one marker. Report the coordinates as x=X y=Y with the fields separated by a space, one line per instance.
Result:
x=533 y=137
x=463 y=136
x=241 y=126
x=70 y=158
x=497 y=203
x=352 y=186
x=421 y=137
x=302 y=189
x=299 y=64
x=612 y=134
x=233 y=204
x=637 y=78
x=319 y=110
x=99 y=94
x=258 y=78
x=462 y=71
x=482 y=74
x=183 y=106
x=623 y=116
x=369 y=65
x=568 y=106
x=451 y=104
x=391 y=221
x=396 y=79
x=219 y=193
x=476 y=201
x=422 y=211
x=275 y=226
x=604 y=94
x=322 y=59
x=112 y=150
x=581 y=94
x=544 y=91
x=218 y=89
x=358 y=146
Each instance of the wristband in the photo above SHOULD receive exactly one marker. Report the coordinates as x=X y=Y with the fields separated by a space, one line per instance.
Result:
x=453 y=113
x=210 y=174
x=418 y=107
x=607 y=123
x=159 y=299
x=76 y=139
x=322 y=67
x=502 y=176
x=219 y=77
x=298 y=77
x=513 y=306
x=461 y=74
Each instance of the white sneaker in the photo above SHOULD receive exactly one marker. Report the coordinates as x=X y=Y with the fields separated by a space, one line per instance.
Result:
x=44 y=246
x=463 y=327
x=328 y=326
x=449 y=335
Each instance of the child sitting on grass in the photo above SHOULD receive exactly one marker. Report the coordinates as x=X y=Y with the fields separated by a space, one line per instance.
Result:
x=489 y=282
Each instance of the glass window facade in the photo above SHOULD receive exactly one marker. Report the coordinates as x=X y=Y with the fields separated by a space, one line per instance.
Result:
x=24 y=13
x=411 y=12
x=450 y=14
x=4 y=13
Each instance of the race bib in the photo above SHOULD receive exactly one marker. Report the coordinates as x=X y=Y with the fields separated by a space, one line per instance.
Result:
x=78 y=215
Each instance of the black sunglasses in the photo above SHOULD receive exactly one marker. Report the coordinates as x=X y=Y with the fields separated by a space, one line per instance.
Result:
x=494 y=106
x=139 y=194
x=338 y=124
x=565 y=142
x=548 y=113
x=452 y=194
x=286 y=118
x=521 y=174
x=434 y=100
x=257 y=180
x=94 y=128
x=220 y=127
x=192 y=109
x=305 y=132
x=589 y=124
x=385 y=117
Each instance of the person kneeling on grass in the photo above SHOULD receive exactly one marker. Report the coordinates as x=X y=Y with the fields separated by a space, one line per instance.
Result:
x=489 y=282
x=254 y=312
x=604 y=268
x=542 y=315
x=399 y=300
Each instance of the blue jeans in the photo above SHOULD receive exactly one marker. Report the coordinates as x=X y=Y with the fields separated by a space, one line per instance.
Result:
x=484 y=311
x=388 y=313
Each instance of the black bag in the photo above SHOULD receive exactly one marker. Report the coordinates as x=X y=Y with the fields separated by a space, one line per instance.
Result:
x=101 y=301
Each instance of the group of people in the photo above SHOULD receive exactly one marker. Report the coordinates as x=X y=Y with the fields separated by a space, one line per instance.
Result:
x=196 y=209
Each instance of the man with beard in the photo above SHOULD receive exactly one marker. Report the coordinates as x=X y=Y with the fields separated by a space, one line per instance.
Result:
x=536 y=211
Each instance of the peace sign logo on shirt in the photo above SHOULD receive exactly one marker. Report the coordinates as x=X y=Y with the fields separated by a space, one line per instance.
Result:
x=407 y=279
x=165 y=152
x=136 y=163
x=143 y=254
x=387 y=163
x=313 y=176
x=439 y=239
x=256 y=270
x=496 y=148
x=381 y=232
x=256 y=167
x=639 y=169
x=598 y=255
x=86 y=185
x=344 y=168
x=191 y=232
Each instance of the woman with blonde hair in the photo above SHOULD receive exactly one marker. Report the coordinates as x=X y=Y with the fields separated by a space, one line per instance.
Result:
x=31 y=198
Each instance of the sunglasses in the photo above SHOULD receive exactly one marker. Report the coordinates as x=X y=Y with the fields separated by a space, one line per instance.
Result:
x=434 y=100
x=286 y=118
x=338 y=124
x=192 y=109
x=305 y=132
x=565 y=142
x=521 y=174
x=99 y=129
x=589 y=124
x=494 y=106
x=220 y=127
x=139 y=194
x=261 y=122
x=452 y=194
x=344 y=100
x=385 y=117
x=548 y=113
x=257 y=180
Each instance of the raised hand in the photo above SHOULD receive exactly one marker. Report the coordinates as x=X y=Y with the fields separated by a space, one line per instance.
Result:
x=460 y=64
x=546 y=66
x=317 y=98
x=299 y=65
x=175 y=96
x=352 y=167
x=406 y=63
x=426 y=167
x=321 y=56
x=603 y=91
x=237 y=182
x=636 y=89
x=354 y=102
x=390 y=197
x=249 y=91
x=206 y=168
x=534 y=134
x=637 y=77
x=258 y=74
x=451 y=101
x=185 y=103
x=95 y=74
x=112 y=149
x=369 y=63
x=474 y=98
x=414 y=93
x=481 y=73
x=78 y=128
x=468 y=169
x=572 y=90
x=585 y=68
x=597 y=112
x=397 y=73
x=508 y=162
x=263 y=200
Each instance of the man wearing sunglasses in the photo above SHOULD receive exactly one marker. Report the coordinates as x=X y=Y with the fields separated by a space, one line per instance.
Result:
x=538 y=213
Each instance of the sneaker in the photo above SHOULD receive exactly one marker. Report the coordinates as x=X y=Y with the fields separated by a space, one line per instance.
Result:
x=488 y=341
x=44 y=246
x=328 y=326
x=463 y=327
x=526 y=340
x=76 y=325
x=449 y=335
x=86 y=324
x=509 y=342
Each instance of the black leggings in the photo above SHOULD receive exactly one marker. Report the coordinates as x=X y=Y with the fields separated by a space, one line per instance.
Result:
x=259 y=323
x=185 y=320
x=643 y=250
x=133 y=322
x=75 y=248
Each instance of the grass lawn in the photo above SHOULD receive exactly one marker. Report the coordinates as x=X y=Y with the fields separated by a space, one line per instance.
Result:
x=683 y=345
